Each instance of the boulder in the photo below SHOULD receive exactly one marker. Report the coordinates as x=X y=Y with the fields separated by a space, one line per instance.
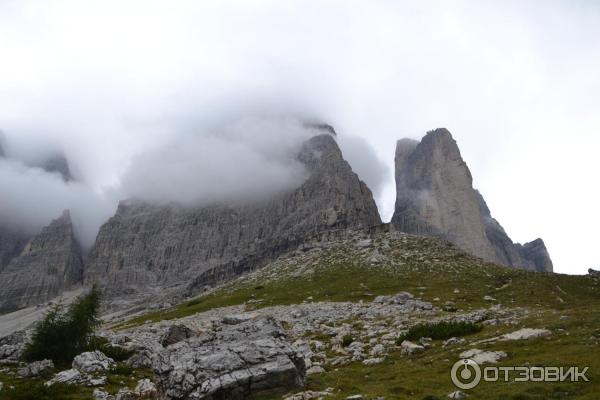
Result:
x=408 y=348
x=483 y=357
x=176 y=333
x=69 y=377
x=93 y=361
x=525 y=334
x=231 y=363
x=36 y=368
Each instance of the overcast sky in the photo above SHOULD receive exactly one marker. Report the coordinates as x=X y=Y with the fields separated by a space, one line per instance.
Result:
x=516 y=82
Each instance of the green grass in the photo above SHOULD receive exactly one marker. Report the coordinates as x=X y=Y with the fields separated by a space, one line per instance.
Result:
x=428 y=373
x=440 y=330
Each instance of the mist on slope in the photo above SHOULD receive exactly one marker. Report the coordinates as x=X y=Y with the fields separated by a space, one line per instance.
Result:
x=191 y=163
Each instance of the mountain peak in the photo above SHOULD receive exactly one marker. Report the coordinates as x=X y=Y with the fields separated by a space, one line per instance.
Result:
x=435 y=196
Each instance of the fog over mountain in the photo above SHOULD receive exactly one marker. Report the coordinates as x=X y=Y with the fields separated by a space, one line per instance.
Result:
x=202 y=101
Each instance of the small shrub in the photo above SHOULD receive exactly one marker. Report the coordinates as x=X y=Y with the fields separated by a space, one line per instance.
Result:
x=62 y=335
x=440 y=331
x=347 y=340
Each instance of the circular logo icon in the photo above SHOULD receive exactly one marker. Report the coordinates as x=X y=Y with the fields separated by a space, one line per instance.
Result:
x=466 y=374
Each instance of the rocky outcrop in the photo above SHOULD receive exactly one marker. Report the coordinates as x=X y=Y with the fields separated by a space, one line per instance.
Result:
x=536 y=254
x=49 y=263
x=232 y=363
x=435 y=196
x=146 y=244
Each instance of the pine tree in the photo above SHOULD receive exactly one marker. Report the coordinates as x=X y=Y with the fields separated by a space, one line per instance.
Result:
x=62 y=335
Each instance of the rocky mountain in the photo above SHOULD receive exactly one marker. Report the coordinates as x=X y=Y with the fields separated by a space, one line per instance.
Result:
x=147 y=244
x=435 y=196
x=49 y=263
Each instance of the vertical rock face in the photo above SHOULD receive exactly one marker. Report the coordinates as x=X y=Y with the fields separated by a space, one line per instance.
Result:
x=435 y=196
x=49 y=263
x=148 y=244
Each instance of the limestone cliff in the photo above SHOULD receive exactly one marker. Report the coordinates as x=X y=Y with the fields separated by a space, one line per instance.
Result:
x=149 y=244
x=435 y=196
x=48 y=264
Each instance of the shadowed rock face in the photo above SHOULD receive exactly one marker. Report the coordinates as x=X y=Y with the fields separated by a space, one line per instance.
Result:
x=48 y=264
x=148 y=244
x=435 y=196
x=58 y=164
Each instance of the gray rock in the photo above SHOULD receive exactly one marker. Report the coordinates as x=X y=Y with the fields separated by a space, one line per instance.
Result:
x=11 y=352
x=316 y=369
x=175 y=334
x=93 y=361
x=373 y=361
x=525 y=334
x=146 y=244
x=231 y=363
x=238 y=318
x=70 y=377
x=36 y=368
x=435 y=196
x=101 y=395
x=483 y=357
x=457 y=395
x=146 y=389
x=408 y=348
x=101 y=381
x=50 y=263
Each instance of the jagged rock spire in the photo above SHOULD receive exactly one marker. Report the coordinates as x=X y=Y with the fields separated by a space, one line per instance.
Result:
x=48 y=264
x=435 y=196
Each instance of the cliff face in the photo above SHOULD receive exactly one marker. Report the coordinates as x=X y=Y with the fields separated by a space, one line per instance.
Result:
x=435 y=196
x=148 y=244
x=48 y=264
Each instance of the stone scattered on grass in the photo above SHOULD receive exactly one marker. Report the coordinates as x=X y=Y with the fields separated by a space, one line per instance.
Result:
x=483 y=357
x=408 y=348
x=93 y=361
x=525 y=334
x=36 y=368
x=69 y=377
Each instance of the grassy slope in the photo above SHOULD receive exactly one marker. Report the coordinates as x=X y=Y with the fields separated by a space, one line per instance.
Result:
x=432 y=270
